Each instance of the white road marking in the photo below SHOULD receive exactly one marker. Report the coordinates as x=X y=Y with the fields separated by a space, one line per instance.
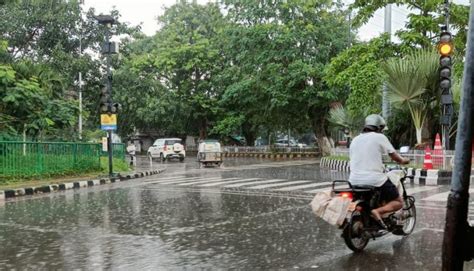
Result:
x=254 y=182
x=297 y=187
x=263 y=186
x=442 y=196
x=187 y=179
x=165 y=179
x=229 y=182
x=419 y=189
x=210 y=180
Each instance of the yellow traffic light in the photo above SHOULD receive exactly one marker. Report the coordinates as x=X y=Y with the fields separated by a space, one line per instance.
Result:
x=445 y=49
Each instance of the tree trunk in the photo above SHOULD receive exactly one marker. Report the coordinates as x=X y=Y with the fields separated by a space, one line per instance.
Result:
x=249 y=134
x=203 y=129
x=418 y=135
x=318 y=121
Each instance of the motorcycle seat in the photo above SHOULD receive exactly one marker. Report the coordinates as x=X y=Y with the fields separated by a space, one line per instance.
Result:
x=364 y=188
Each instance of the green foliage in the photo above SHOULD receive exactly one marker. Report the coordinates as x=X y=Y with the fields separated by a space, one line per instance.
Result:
x=276 y=54
x=423 y=21
x=344 y=119
x=119 y=165
x=40 y=42
x=411 y=84
x=358 y=68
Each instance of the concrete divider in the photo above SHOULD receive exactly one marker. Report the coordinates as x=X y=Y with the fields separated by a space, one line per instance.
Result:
x=10 y=193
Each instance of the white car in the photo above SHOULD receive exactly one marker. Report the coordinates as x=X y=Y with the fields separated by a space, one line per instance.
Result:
x=167 y=148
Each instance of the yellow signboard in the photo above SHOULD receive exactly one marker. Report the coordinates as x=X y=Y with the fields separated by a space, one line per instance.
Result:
x=108 y=122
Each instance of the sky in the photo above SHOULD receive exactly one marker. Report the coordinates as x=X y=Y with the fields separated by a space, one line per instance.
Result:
x=145 y=12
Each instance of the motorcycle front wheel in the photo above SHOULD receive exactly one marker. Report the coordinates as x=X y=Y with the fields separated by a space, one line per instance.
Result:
x=353 y=233
x=409 y=217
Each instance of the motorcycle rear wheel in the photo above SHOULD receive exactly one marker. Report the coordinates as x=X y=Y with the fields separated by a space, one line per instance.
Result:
x=353 y=233
x=409 y=210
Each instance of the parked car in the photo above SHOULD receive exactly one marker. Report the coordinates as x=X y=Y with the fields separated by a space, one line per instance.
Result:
x=284 y=143
x=167 y=148
x=293 y=143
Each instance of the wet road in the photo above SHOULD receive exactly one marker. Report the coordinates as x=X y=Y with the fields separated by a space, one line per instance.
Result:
x=249 y=214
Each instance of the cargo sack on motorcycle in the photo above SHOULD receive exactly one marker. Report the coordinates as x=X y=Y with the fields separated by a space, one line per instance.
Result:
x=331 y=209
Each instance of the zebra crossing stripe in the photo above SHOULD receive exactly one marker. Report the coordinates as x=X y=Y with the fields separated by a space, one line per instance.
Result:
x=229 y=182
x=186 y=179
x=207 y=181
x=276 y=184
x=296 y=187
x=419 y=189
x=253 y=182
x=166 y=178
x=442 y=196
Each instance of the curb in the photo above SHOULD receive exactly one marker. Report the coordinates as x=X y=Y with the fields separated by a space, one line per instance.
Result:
x=428 y=177
x=335 y=164
x=276 y=155
x=18 y=192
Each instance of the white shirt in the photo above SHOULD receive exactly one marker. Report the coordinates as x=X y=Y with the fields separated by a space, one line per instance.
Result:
x=366 y=159
x=131 y=149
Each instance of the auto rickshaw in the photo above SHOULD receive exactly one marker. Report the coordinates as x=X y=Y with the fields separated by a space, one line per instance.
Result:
x=209 y=153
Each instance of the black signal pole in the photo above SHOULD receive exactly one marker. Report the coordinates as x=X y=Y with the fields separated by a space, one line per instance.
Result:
x=458 y=236
x=107 y=49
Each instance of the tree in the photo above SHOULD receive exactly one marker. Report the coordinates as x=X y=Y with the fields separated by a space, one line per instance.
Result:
x=45 y=35
x=358 y=69
x=342 y=118
x=276 y=54
x=424 y=19
x=410 y=82
x=185 y=60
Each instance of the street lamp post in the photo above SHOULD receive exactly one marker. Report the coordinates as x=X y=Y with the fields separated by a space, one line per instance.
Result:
x=107 y=49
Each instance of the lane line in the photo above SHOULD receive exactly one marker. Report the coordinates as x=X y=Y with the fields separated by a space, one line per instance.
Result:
x=263 y=186
x=229 y=182
x=302 y=186
x=207 y=181
x=253 y=182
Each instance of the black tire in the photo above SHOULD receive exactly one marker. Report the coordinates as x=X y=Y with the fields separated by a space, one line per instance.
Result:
x=353 y=234
x=181 y=159
x=409 y=213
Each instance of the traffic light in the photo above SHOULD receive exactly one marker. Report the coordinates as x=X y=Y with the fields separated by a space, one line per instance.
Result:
x=104 y=101
x=115 y=107
x=445 y=49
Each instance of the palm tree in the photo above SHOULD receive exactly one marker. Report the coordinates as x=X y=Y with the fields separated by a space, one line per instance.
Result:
x=412 y=84
x=341 y=117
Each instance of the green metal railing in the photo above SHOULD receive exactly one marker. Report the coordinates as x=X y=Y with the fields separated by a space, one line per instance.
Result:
x=29 y=159
x=118 y=151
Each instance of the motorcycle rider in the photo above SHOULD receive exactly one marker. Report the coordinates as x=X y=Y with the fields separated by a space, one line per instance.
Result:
x=366 y=151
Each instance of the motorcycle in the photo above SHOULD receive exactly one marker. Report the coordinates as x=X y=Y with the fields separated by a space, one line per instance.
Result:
x=359 y=226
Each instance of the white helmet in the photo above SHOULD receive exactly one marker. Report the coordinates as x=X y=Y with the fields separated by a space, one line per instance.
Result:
x=375 y=122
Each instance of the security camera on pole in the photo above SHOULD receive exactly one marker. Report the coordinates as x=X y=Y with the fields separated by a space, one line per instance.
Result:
x=108 y=109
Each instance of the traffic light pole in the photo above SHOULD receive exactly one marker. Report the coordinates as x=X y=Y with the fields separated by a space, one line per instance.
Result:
x=109 y=92
x=458 y=234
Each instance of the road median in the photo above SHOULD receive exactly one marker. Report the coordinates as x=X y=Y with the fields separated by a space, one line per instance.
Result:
x=24 y=191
